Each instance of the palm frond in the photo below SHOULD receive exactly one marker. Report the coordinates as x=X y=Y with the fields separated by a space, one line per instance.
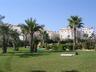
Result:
x=75 y=21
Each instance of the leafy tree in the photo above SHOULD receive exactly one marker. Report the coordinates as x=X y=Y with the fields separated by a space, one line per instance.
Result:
x=14 y=37
x=45 y=38
x=25 y=32
x=91 y=41
x=74 y=23
x=4 y=31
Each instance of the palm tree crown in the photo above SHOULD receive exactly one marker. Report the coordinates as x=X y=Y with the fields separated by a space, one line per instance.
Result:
x=32 y=25
x=75 y=22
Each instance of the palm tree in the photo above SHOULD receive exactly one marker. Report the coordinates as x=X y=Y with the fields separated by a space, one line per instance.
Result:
x=32 y=28
x=4 y=31
x=74 y=23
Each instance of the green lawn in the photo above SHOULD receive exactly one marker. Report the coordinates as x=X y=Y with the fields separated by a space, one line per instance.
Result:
x=47 y=62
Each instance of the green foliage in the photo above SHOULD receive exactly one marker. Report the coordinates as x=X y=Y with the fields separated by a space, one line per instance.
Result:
x=68 y=46
x=66 y=41
x=79 y=46
x=60 y=47
x=55 y=47
x=89 y=45
x=45 y=36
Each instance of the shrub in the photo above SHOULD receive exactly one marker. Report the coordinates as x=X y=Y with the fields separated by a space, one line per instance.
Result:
x=68 y=46
x=89 y=45
x=60 y=47
x=79 y=46
x=66 y=41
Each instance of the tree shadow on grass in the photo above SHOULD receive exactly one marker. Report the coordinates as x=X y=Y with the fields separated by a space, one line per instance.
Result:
x=70 y=71
x=25 y=54
x=1 y=71
x=37 y=71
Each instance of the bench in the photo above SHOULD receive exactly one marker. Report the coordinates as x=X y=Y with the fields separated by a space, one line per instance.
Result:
x=67 y=54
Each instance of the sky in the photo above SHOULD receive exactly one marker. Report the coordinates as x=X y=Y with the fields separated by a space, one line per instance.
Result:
x=53 y=14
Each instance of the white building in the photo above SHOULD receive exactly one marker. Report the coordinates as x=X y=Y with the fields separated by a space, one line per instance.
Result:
x=18 y=29
x=53 y=34
x=66 y=33
x=87 y=31
x=50 y=33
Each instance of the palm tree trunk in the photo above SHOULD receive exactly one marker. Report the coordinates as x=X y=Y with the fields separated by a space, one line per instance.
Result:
x=74 y=40
x=45 y=44
x=4 y=44
x=15 y=47
x=31 y=43
x=35 y=46
x=25 y=42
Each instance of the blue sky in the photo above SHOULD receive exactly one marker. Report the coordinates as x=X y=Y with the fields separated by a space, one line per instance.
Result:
x=52 y=13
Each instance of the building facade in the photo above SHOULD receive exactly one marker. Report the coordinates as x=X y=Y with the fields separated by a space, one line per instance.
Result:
x=88 y=31
x=18 y=29
x=67 y=33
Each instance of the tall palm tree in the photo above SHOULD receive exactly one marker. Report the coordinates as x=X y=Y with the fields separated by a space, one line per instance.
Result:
x=32 y=28
x=74 y=23
x=4 y=31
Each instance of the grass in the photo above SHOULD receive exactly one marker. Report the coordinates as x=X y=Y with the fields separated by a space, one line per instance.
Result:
x=23 y=61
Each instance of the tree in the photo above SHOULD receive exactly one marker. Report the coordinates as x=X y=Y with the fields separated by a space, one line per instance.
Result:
x=74 y=23
x=32 y=28
x=24 y=29
x=1 y=18
x=85 y=36
x=14 y=37
x=91 y=41
x=45 y=38
x=37 y=39
x=86 y=41
x=4 y=31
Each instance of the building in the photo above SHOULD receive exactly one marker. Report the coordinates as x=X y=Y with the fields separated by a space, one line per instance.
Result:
x=51 y=34
x=18 y=29
x=67 y=33
x=88 y=31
